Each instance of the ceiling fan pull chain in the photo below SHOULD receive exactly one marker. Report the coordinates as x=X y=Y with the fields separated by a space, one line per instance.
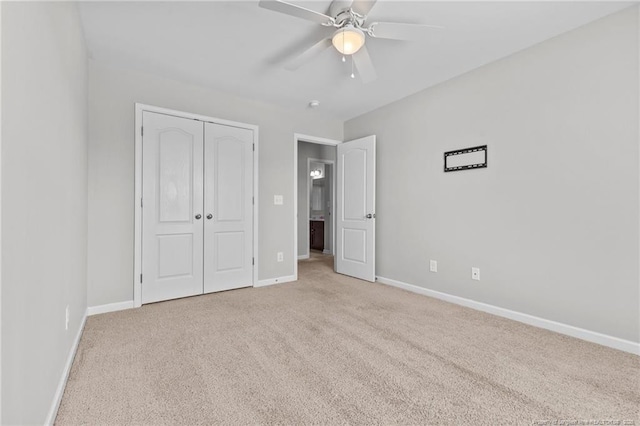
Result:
x=352 y=74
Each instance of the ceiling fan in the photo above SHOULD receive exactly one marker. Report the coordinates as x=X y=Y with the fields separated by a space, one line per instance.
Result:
x=347 y=20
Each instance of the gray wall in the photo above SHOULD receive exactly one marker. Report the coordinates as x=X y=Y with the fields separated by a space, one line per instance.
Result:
x=553 y=221
x=44 y=201
x=112 y=94
x=305 y=151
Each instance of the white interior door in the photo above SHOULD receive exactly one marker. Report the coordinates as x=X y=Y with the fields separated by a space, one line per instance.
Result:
x=356 y=218
x=228 y=231
x=172 y=196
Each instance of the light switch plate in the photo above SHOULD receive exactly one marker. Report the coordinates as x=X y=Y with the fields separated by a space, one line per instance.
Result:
x=280 y=256
x=433 y=265
x=278 y=200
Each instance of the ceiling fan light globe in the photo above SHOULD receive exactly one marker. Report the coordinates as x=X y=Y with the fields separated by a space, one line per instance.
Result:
x=348 y=40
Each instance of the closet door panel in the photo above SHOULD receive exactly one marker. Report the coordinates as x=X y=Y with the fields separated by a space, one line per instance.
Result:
x=228 y=188
x=230 y=195
x=172 y=236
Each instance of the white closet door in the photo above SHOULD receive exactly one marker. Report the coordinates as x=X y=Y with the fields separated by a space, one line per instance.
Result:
x=172 y=245
x=356 y=220
x=228 y=234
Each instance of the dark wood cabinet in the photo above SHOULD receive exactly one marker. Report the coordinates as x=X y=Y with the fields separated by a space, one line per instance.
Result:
x=316 y=234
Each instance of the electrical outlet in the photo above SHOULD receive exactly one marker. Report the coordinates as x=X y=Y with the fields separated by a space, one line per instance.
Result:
x=475 y=273
x=278 y=200
x=66 y=318
x=280 y=256
x=433 y=265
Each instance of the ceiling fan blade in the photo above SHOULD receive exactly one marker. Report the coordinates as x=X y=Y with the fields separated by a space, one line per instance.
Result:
x=363 y=7
x=363 y=64
x=398 y=31
x=308 y=54
x=295 y=10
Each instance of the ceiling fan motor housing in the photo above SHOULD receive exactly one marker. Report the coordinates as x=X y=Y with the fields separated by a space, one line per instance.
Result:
x=347 y=16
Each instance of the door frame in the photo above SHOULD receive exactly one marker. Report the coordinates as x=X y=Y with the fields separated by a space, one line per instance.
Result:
x=299 y=137
x=137 y=201
x=333 y=200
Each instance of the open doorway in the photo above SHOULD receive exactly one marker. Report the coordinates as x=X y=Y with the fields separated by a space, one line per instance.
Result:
x=315 y=160
x=320 y=207
x=352 y=216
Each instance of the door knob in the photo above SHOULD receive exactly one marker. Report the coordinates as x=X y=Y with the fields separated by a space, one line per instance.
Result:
x=209 y=216
x=369 y=216
x=198 y=216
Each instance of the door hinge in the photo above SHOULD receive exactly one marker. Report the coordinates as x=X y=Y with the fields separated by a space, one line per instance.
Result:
x=141 y=131
x=254 y=146
x=253 y=200
x=140 y=278
x=253 y=260
x=140 y=202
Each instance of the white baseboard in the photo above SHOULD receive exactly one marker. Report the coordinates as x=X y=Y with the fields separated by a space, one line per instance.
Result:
x=325 y=251
x=569 y=330
x=111 y=307
x=53 y=412
x=279 y=280
x=303 y=257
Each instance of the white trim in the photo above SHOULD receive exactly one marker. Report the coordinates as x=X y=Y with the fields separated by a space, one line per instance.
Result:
x=307 y=209
x=0 y=215
x=137 y=245
x=638 y=118
x=558 y=327
x=325 y=251
x=53 y=411
x=256 y=202
x=333 y=200
x=111 y=307
x=271 y=281
x=303 y=257
x=299 y=137
x=137 y=226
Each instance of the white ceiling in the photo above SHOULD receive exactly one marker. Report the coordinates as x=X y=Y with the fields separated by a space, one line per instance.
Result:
x=238 y=47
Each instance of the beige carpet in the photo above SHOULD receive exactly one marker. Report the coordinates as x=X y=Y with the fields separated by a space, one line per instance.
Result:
x=333 y=350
